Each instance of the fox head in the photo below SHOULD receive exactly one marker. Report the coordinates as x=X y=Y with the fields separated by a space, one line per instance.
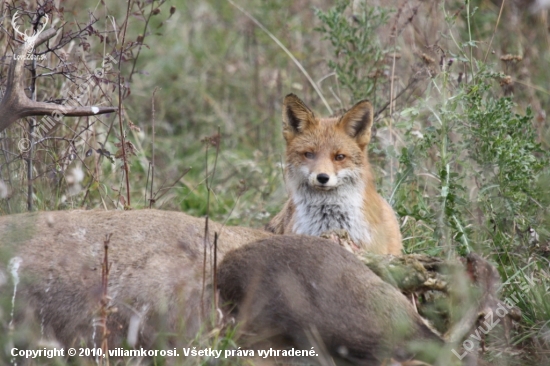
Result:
x=326 y=153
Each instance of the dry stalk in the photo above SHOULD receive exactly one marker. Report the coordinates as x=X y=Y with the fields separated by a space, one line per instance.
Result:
x=151 y=13
x=287 y=51
x=105 y=310
x=158 y=195
x=122 y=138
x=412 y=81
x=215 y=271
x=212 y=140
x=152 y=163
x=494 y=32
x=392 y=78
x=205 y=243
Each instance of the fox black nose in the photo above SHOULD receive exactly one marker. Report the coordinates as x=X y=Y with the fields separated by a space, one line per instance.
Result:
x=322 y=178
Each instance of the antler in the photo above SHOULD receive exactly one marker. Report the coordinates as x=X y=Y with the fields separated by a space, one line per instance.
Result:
x=16 y=26
x=16 y=104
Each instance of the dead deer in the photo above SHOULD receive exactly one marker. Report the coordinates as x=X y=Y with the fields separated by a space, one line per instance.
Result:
x=300 y=291
x=299 y=287
x=155 y=280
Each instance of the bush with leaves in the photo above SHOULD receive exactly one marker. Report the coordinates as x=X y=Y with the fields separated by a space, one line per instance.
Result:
x=358 y=54
x=470 y=160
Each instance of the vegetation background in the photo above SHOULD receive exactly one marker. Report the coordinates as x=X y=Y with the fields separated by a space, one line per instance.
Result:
x=461 y=145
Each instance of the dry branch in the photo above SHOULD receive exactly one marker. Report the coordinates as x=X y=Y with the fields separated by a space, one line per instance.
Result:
x=16 y=104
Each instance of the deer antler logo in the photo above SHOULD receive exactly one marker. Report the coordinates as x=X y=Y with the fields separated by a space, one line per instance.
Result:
x=29 y=39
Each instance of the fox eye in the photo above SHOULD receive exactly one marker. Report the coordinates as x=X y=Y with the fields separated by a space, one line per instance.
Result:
x=339 y=157
x=309 y=155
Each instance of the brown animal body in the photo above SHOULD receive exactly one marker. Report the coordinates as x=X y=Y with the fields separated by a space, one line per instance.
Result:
x=155 y=279
x=302 y=291
x=330 y=181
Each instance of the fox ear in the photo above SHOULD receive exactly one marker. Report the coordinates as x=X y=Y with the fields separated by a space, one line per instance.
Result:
x=297 y=117
x=357 y=122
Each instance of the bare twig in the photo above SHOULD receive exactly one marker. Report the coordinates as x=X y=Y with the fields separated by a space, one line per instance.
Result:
x=156 y=197
x=142 y=40
x=392 y=79
x=383 y=108
x=151 y=201
x=32 y=123
x=30 y=154
x=214 y=140
x=122 y=137
x=105 y=300
x=205 y=242
x=147 y=184
x=205 y=239
x=16 y=104
x=495 y=31
x=215 y=271
x=287 y=51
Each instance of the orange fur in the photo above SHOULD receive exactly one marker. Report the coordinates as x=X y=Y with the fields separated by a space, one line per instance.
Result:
x=330 y=181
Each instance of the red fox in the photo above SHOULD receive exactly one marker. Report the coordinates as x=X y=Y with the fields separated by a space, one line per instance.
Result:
x=330 y=181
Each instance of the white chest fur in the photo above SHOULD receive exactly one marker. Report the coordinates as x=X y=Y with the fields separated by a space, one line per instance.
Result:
x=319 y=211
